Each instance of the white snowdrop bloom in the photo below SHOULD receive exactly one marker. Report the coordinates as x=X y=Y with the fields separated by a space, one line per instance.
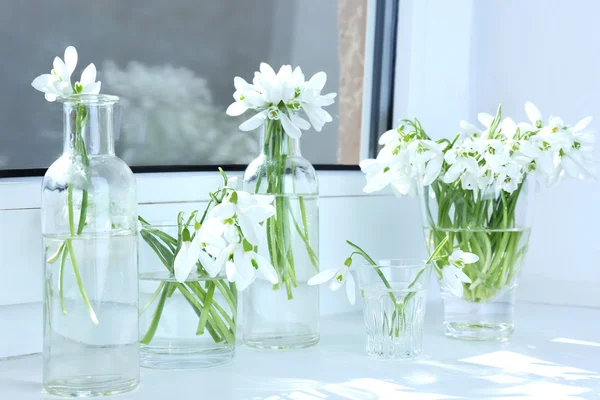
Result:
x=495 y=154
x=242 y=265
x=337 y=277
x=452 y=275
x=510 y=177
x=534 y=115
x=281 y=97
x=427 y=158
x=246 y=211
x=58 y=82
x=461 y=163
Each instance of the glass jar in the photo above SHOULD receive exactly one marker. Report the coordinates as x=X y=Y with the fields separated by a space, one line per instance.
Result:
x=89 y=229
x=182 y=325
x=285 y=315
x=495 y=225
x=394 y=296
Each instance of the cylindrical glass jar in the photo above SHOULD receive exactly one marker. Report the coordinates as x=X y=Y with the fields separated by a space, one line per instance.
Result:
x=493 y=224
x=182 y=325
x=285 y=315
x=89 y=228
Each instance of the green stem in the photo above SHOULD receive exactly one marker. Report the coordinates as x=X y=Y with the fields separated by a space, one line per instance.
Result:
x=61 y=274
x=152 y=298
x=78 y=149
x=207 y=304
x=156 y=317
x=278 y=226
x=80 y=284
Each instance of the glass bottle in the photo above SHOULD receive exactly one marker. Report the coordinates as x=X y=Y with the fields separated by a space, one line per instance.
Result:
x=285 y=315
x=89 y=229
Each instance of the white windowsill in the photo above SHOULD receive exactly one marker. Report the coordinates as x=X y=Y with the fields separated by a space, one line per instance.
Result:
x=177 y=187
x=537 y=363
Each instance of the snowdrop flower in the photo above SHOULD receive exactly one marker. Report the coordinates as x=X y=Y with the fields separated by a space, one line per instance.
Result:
x=186 y=259
x=378 y=172
x=485 y=119
x=87 y=84
x=509 y=128
x=463 y=166
x=242 y=263
x=203 y=248
x=534 y=115
x=469 y=129
x=452 y=275
x=232 y=225
x=578 y=161
x=538 y=153
x=428 y=158
x=338 y=277
x=58 y=82
x=495 y=154
x=510 y=177
x=244 y=210
x=281 y=97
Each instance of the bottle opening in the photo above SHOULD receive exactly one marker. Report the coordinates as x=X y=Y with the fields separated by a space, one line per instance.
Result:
x=90 y=99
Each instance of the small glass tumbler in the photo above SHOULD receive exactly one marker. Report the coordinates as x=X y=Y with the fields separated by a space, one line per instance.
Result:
x=394 y=295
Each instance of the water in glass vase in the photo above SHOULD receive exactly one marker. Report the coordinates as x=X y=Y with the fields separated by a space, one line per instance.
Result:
x=394 y=320
x=486 y=309
x=173 y=338
x=90 y=315
x=286 y=315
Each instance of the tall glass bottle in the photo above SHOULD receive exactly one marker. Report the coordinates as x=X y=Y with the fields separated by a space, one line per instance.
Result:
x=285 y=315
x=89 y=228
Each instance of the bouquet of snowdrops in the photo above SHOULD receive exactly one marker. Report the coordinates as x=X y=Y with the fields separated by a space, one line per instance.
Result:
x=222 y=241
x=280 y=100
x=472 y=184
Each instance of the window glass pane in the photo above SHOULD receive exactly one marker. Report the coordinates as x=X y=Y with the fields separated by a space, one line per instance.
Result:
x=172 y=63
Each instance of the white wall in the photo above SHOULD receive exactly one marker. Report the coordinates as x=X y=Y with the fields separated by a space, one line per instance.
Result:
x=461 y=57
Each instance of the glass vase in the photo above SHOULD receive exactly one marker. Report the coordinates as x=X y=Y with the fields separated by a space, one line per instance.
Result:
x=394 y=296
x=182 y=325
x=495 y=225
x=285 y=315
x=89 y=229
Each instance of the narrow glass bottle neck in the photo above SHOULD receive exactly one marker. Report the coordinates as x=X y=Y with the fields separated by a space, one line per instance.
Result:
x=89 y=128
x=274 y=142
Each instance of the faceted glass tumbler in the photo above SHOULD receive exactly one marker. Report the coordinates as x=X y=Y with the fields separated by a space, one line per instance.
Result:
x=394 y=296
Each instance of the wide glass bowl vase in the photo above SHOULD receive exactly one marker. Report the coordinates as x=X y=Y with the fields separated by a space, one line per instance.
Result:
x=183 y=325
x=495 y=225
